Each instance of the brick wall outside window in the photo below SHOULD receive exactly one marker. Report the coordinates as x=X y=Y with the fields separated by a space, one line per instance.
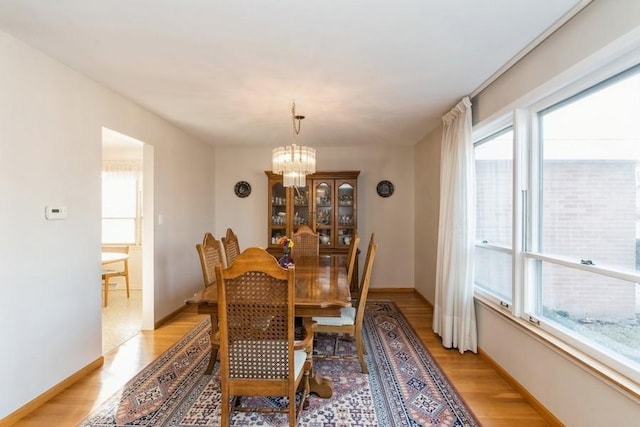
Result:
x=589 y=212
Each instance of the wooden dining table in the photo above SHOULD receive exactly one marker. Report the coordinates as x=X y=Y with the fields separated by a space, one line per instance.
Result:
x=112 y=257
x=321 y=290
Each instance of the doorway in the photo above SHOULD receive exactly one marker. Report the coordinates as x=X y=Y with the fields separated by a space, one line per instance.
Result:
x=126 y=211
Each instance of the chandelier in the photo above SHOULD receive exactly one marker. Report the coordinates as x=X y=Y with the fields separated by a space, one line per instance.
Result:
x=294 y=162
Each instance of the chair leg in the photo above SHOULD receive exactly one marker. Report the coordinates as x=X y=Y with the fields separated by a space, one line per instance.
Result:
x=304 y=388
x=126 y=275
x=361 y=352
x=214 y=346
x=345 y=337
x=293 y=410
x=105 y=298
x=225 y=417
x=212 y=359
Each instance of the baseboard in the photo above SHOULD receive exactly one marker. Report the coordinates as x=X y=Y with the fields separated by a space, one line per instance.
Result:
x=544 y=412
x=400 y=291
x=31 y=406
x=422 y=297
x=171 y=315
x=397 y=290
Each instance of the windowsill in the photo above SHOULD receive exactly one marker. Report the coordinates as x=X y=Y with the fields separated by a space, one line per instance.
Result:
x=620 y=382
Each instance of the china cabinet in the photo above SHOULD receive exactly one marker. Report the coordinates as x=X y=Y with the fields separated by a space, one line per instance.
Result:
x=328 y=204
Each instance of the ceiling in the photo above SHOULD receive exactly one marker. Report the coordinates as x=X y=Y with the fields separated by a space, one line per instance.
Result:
x=363 y=72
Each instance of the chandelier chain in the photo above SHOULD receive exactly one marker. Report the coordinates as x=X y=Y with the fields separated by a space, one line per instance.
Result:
x=294 y=162
x=295 y=117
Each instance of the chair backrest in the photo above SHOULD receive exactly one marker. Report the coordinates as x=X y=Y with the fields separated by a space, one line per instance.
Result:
x=366 y=279
x=351 y=257
x=210 y=254
x=256 y=321
x=231 y=246
x=305 y=242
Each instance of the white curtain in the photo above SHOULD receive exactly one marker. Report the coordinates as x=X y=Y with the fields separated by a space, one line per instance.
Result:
x=121 y=168
x=454 y=316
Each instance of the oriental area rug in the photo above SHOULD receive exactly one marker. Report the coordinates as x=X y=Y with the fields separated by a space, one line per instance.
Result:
x=404 y=387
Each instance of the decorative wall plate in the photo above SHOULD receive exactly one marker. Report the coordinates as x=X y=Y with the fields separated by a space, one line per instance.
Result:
x=384 y=189
x=242 y=189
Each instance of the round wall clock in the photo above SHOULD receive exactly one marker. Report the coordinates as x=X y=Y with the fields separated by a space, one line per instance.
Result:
x=242 y=189
x=384 y=189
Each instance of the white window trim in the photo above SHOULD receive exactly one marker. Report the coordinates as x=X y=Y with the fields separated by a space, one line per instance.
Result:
x=617 y=57
x=571 y=353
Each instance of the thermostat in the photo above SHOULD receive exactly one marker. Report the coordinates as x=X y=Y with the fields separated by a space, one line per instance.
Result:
x=55 y=212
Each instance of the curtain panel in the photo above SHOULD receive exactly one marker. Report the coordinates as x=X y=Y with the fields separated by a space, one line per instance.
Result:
x=454 y=314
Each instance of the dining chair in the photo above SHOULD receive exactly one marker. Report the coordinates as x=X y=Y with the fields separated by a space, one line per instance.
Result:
x=210 y=254
x=258 y=353
x=351 y=318
x=109 y=272
x=352 y=254
x=305 y=242
x=231 y=246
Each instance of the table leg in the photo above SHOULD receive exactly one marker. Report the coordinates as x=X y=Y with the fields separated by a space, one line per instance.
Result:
x=321 y=386
x=214 y=344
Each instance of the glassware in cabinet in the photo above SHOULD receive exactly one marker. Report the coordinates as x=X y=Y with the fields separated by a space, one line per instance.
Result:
x=327 y=205
x=301 y=211
x=346 y=214
x=278 y=212
x=324 y=202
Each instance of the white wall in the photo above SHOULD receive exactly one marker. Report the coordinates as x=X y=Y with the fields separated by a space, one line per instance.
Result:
x=51 y=121
x=572 y=393
x=392 y=219
x=427 y=197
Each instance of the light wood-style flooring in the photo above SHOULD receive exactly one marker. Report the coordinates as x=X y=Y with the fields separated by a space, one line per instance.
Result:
x=494 y=402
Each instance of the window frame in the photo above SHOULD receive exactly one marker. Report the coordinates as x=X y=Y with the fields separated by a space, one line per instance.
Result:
x=479 y=137
x=138 y=219
x=523 y=114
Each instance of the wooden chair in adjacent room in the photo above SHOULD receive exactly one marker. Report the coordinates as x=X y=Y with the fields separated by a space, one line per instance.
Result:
x=351 y=318
x=210 y=254
x=258 y=354
x=113 y=270
x=231 y=246
x=305 y=242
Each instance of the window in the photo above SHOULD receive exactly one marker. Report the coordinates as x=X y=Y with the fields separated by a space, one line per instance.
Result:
x=494 y=188
x=587 y=218
x=577 y=255
x=121 y=203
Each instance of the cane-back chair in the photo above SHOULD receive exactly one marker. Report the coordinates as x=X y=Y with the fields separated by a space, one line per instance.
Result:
x=210 y=254
x=231 y=246
x=258 y=354
x=305 y=242
x=351 y=318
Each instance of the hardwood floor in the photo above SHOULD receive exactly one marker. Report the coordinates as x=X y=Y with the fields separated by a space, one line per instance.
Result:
x=494 y=402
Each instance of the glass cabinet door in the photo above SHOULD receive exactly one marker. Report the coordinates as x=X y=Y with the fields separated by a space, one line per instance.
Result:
x=345 y=215
x=301 y=211
x=328 y=205
x=278 y=205
x=323 y=193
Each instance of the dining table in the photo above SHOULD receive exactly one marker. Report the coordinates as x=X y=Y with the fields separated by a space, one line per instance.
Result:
x=111 y=257
x=321 y=290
